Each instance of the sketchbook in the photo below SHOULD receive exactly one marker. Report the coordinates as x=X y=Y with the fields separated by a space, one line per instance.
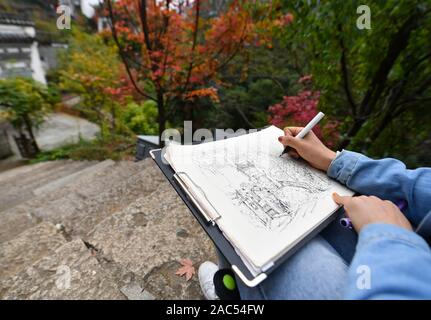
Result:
x=263 y=204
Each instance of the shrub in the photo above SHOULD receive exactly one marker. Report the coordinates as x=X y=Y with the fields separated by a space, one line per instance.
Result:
x=141 y=118
x=299 y=110
x=24 y=102
x=114 y=147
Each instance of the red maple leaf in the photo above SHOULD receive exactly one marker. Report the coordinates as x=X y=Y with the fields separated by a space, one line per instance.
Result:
x=186 y=269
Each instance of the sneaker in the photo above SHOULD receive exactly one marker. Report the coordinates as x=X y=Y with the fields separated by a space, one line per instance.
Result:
x=206 y=274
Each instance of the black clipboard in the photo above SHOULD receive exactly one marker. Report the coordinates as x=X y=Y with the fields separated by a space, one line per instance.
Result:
x=217 y=237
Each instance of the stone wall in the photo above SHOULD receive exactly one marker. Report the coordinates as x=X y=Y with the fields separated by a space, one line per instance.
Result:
x=5 y=150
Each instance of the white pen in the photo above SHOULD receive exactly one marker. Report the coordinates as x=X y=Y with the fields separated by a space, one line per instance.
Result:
x=306 y=129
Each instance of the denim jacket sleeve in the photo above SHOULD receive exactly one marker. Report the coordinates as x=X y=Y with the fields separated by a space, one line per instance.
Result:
x=395 y=258
x=388 y=179
x=390 y=263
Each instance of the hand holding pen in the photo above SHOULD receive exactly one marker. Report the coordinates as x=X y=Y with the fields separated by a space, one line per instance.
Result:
x=360 y=210
x=309 y=147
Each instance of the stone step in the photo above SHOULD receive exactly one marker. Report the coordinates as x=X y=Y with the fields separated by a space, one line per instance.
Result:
x=71 y=272
x=28 y=247
x=11 y=163
x=18 y=189
x=33 y=172
x=84 y=181
x=150 y=237
x=22 y=170
x=93 y=181
x=13 y=222
x=135 y=227
x=19 y=218
x=80 y=212
x=51 y=187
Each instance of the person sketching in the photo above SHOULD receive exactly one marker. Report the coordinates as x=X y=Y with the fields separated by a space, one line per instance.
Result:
x=389 y=259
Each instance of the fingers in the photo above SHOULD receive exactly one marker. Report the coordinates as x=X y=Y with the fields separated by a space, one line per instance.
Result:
x=293 y=154
x=293 y=131
x=289 y=137
x=289 y=140
x=390 y=204
x=350 y=201
x=340 y=200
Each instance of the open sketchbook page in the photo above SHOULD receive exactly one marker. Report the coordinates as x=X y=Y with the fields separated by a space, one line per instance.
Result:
x=265 y=203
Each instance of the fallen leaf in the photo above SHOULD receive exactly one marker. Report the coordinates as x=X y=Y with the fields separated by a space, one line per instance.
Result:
x=186 y=269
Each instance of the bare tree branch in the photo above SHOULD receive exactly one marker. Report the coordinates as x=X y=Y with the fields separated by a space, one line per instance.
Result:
x=397 y=44
x=195 y=37
x=345 y=72
x=144 y=23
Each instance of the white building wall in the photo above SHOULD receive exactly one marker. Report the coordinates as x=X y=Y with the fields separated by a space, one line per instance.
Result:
x=36 y=64
x=38 y=72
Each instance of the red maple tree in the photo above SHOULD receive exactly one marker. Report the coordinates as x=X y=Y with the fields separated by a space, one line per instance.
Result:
x=300 y=109
x=173 y=50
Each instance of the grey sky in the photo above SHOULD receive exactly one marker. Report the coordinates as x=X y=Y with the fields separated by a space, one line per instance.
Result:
x=86 y=7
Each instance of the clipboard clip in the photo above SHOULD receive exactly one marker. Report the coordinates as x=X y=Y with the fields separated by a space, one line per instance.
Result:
x=249 y=283
x=177 y=178
x=151 y=152
x=192 y=198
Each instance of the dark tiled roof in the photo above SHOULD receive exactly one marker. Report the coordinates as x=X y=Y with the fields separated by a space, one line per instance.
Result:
x=7 y=37
x=48 y=37
x=15 y=19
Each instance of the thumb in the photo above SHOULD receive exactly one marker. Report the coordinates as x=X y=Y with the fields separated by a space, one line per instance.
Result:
x=340 y=200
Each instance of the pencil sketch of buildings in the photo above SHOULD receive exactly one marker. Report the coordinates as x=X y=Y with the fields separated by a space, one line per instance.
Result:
x=271 y=191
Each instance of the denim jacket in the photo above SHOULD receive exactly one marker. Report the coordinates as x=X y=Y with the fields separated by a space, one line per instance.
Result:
x=390 y=262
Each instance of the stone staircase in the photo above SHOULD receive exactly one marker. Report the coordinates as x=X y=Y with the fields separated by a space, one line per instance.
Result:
x=86 y=230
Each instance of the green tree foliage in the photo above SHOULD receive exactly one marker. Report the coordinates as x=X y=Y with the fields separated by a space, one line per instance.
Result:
x=24 y=102
x=257 y=78
x=88 y=69
x=376 y=82
x=141 y=118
